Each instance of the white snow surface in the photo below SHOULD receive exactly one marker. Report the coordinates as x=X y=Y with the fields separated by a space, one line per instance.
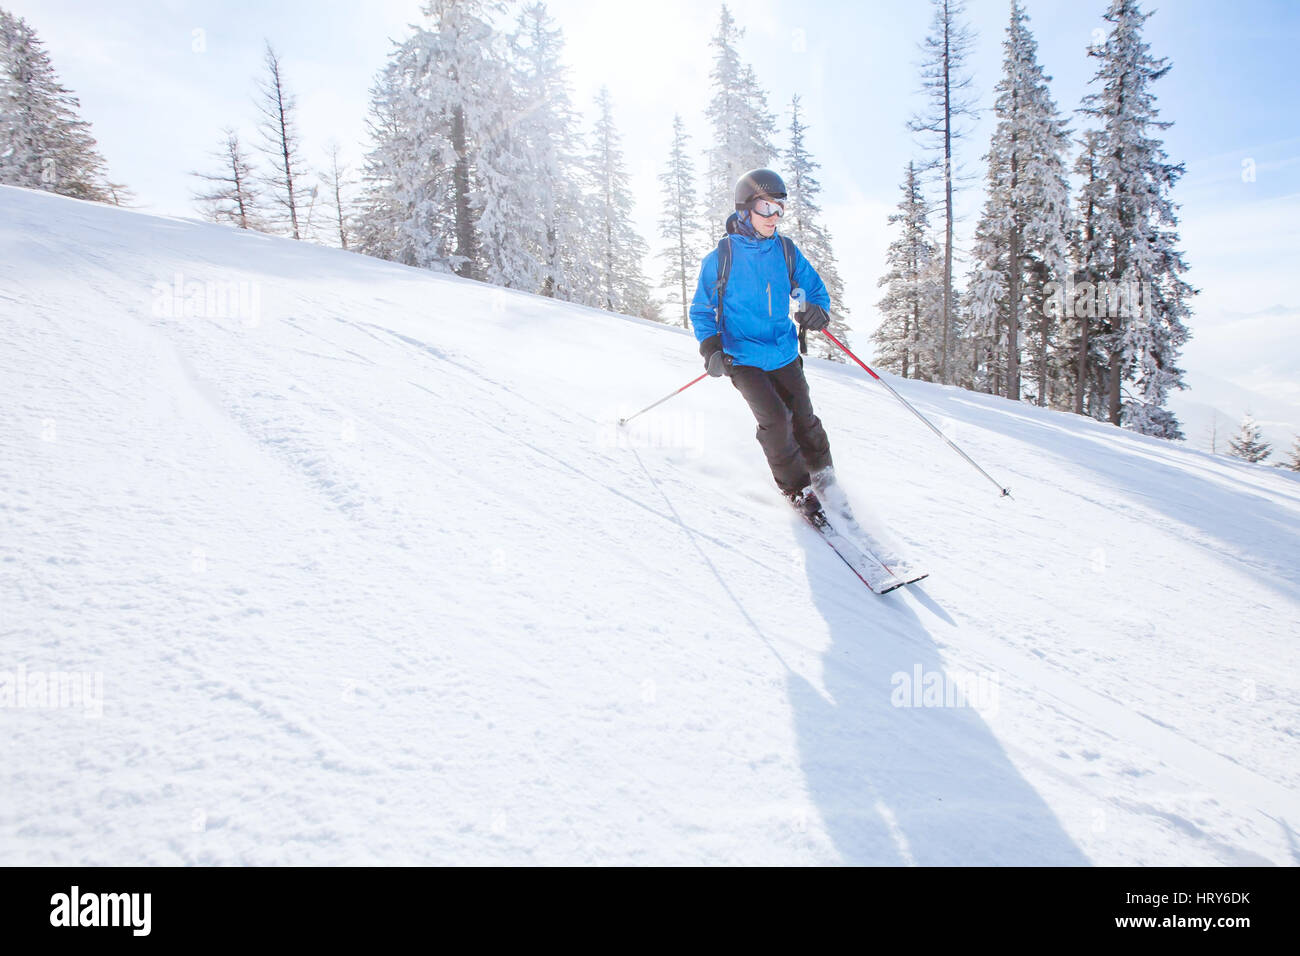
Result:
x=373 y=576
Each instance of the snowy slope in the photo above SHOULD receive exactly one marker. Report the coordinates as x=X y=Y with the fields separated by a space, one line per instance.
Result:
x=370 y=575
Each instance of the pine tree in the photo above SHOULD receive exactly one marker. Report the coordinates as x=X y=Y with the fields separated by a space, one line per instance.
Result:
x=619 y=249
x=118 y=193
x=1249 y=444
x=44 y=144
x=742 y=124
x=231 y=194
x=945 y=52
x=405 y=213
x=1143 y=329
x=443 y=174
x=802 y=223
x=679 y=224
x=548 y=128
x=1293 y=463
x=468 y=90
x=961 y=364
x=1021 y=240
x=512 y=236
x=906 y=340
x=1090 y=258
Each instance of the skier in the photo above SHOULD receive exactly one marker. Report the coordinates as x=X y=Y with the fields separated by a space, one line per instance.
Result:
x=753 y=340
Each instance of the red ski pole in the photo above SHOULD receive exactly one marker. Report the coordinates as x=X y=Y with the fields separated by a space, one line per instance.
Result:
x=624 y=421
x=1005 y=492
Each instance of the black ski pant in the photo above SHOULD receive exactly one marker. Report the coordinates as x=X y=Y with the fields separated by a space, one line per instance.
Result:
x=792 y=436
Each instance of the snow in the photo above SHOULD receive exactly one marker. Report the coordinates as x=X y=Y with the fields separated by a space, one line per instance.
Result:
x=371 y=575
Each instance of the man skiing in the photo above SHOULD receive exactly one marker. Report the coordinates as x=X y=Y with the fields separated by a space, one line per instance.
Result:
x=750 y=337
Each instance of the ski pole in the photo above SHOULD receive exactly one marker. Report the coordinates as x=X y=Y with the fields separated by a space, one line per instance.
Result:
x=624 y=421
x=1006 y=493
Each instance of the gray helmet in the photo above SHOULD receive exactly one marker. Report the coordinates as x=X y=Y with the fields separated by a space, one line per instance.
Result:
x=756 y=183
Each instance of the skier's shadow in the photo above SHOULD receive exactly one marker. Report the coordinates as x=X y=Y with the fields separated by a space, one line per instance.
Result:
x=923 y=785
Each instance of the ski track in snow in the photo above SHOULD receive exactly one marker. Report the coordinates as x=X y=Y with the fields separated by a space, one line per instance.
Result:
x=374 y=577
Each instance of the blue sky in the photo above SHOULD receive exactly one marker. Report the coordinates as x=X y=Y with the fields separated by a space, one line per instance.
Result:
x=158 y=93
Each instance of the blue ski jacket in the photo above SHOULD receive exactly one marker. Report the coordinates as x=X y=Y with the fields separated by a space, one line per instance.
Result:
x=757 y=329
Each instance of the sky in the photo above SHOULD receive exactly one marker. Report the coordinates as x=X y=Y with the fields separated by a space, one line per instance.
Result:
x=158 y=81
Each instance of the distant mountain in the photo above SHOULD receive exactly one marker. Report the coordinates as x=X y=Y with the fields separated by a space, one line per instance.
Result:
x=1243 y=363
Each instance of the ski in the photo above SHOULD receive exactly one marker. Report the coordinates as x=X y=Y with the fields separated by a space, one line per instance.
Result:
x=836 y=503
x=869 y=570
x=900 y=566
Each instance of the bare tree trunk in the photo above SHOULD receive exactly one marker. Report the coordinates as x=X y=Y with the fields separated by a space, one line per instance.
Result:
x=336 y=183
x=1043 y=342
x=240 y=198
x=1013 y=315
x=947 y=185
x=277 y=89
x=1113 y=389
x=1013 y=282
x=548 y=284
x=1117 y=272
x=916 y=302
x=338 y=208
x=465 y=239
x=609 y=239
x=288 y=168
x=909 y=323
x=1081 y=386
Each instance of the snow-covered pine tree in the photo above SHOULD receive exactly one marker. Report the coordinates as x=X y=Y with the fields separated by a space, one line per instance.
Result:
x=1084 y=361
x=44 y=144
x=905 y=339
x=1249 y=444
x=988 y=306
x=961 y=364
x=742 y=124
x=469 y=100
x=548 y=127
x=618 y=249
x=512 y=236
x=405 y=213
x=1022 y=236
x=1149 y=299
x=443 y=173
x=679 y=225
x=945 y=51
x=802 y=223
x=231 y=194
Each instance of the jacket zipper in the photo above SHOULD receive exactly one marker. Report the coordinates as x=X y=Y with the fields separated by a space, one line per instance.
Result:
x=769 y=300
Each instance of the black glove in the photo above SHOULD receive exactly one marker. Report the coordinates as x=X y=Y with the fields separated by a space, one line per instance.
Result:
x=719 y=363
x=716 y=361
x=814 y=318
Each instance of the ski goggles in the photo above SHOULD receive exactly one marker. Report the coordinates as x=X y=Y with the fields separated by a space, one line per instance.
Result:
x=768 y=207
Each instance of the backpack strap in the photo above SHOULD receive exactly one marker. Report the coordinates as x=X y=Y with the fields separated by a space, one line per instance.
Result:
x=724 y=272
x=787 y=247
